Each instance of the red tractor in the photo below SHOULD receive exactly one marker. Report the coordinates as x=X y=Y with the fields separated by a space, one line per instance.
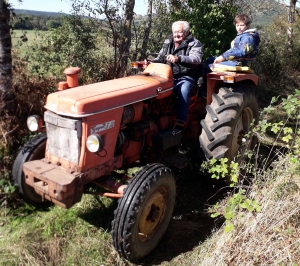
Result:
x=90 y=131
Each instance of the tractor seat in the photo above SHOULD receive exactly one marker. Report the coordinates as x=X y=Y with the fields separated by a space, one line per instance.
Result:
x=234 y=65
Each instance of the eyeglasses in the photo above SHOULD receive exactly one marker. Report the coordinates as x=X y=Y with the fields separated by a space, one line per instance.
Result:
x=178 y=32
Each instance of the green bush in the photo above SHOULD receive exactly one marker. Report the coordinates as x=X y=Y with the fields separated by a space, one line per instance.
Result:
x=211 y=23
x=278 y=69
x=75 y=43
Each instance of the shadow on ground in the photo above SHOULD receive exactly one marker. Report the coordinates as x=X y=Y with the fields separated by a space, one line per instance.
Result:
x=191 y=224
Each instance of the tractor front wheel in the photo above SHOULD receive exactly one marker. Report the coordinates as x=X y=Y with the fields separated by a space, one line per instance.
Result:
x=34 y=149
x=144 y=212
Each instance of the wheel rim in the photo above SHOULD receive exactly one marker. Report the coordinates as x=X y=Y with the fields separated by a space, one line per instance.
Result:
x=152 y=214
x=242 y=127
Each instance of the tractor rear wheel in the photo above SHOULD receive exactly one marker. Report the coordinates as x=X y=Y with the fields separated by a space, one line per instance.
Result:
x=34 y=149
x=229 y=118
x=144 y=212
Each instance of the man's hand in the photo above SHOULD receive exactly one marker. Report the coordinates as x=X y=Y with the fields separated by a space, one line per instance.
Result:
x=172 y=58
x=147 y=62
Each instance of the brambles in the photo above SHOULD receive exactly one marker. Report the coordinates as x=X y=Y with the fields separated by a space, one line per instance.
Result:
x=241 y=199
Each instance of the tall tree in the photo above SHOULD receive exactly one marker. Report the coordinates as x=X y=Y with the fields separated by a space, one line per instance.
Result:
x=126 y=37
x=5 y=57
x=160 y=25
x=147 y=29
x=291 y=20
x=150 y=31
x=117 y=25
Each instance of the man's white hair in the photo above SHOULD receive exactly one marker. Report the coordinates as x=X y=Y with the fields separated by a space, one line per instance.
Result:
x=186 y=25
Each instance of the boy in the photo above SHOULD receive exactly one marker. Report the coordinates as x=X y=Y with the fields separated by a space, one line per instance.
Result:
x=244 y=47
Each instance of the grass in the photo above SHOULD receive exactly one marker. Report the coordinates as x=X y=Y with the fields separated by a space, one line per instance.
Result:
x=81 y=235
x=56 y=236
x=270 y=237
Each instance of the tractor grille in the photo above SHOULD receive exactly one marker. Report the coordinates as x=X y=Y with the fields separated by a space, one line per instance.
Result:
x=64 y=136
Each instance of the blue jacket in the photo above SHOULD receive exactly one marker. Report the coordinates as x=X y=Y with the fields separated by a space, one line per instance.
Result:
x=245 y=45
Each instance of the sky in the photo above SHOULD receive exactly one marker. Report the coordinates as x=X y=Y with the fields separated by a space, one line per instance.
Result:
x=63 y=5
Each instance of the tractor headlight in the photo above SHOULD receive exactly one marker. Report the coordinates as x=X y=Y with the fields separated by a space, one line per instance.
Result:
x=34 y=123
x=94 y=143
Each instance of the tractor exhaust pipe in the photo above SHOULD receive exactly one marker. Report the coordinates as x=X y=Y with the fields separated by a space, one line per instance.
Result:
x=72 y=78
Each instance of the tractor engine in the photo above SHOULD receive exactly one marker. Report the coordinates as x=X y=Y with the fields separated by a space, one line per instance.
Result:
x=141 y=123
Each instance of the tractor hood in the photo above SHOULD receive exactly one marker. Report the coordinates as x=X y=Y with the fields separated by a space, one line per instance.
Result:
x=155 y=81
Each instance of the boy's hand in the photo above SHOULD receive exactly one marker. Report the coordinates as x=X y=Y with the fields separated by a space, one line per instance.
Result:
x=219 y=59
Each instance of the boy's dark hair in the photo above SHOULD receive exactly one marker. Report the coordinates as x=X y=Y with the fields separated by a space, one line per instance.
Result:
x=242 y=18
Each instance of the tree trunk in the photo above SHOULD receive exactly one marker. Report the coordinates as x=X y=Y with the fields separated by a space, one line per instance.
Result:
x=147 y=30
x=126 y=40
x=5 y=60
x=291 y=20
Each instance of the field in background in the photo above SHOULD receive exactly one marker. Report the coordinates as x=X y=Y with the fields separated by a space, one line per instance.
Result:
x=22 y=40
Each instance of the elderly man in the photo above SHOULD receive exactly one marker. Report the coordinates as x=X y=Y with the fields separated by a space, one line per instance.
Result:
x=184 y=54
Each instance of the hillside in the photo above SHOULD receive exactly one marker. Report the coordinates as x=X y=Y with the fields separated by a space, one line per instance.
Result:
x=260 y=17
x=38 y=13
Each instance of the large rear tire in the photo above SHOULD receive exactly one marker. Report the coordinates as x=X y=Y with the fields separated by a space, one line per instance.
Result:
x=144 y=212
x=34 y=149
x=228 y=120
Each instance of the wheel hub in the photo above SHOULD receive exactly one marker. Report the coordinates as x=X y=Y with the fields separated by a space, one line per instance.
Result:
x=152 y=214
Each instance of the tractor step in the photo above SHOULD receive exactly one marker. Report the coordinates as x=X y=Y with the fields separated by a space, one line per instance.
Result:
x=177 y=160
